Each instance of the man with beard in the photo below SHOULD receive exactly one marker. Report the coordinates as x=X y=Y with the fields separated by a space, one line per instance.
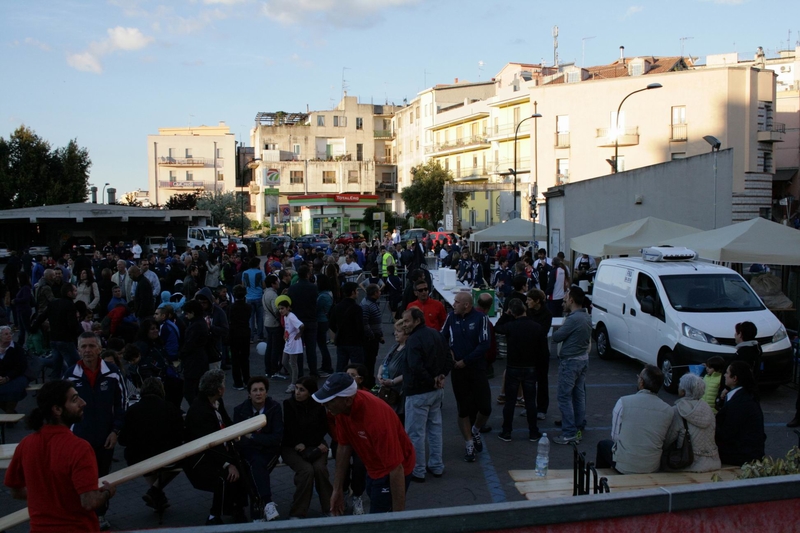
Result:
x=65 y=498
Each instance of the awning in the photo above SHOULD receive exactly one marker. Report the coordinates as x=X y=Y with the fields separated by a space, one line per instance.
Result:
x=785 y=174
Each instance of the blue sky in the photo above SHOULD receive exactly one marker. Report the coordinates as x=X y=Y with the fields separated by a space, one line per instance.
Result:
x=110 y=72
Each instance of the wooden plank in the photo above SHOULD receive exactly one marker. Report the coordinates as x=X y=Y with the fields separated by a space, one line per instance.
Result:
x=11 y=419
x=159 y=461
x=7 y=450
x=530 y=475
x=33 y=387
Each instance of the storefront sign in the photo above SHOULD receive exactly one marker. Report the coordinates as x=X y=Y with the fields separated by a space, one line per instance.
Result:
x=346 y=198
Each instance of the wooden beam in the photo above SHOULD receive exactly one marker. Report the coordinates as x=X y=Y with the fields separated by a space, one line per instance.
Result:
x=159 y=461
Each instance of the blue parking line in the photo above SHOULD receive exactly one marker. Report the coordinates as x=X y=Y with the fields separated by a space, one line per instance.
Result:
x=490 y=474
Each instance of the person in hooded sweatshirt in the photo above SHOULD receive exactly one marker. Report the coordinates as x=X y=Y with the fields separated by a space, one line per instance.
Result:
x=701 y=422
x=166 y=299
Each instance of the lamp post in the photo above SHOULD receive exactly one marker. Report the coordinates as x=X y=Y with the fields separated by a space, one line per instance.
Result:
x=103 y=196
x=515 y=213
x=615 y=166
x=715 y=146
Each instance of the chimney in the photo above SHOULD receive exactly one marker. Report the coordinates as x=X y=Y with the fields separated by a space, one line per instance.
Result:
x=622 y=54
x=94 y=194
x=112 y=192
x=455 y=82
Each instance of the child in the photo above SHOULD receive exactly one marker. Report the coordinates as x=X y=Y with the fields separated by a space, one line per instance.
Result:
x=713 y=377
x=293 y=330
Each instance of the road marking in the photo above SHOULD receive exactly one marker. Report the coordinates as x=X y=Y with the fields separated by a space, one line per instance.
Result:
x=490 y=474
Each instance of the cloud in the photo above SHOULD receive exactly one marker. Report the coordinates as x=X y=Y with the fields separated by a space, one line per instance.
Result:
x=727 y=2
x=119 y=38
x=341 y=13
x=299 y=61
x=224 y=2
x=517 y=42
x=632 y=11
x=44 y=47
x=195 y=63
x=186 y=25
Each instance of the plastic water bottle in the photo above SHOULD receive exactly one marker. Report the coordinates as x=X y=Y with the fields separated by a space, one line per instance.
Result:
x=542 y=456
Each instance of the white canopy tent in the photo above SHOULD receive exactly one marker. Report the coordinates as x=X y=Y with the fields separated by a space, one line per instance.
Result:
x=629 y=238
x=752 y=241
x=514 y=230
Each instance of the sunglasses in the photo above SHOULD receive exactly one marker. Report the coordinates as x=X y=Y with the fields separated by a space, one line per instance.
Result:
x=422 y=289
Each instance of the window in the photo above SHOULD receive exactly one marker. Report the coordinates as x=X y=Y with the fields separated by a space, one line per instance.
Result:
x=320 y=120
x=171 y=153
x=475 y=165
x=359 y=152
x=562 y=170
x=417 y=112
x=220 y=176
x=496 y=125
x=386 y=177
x=677 y=155
x=447 y=164
x=189 y=175
x=329 y=177
x=646 y=288
x=296 y=209
x=678 y=123
x=296 y=177
x=411 y=118
x=173 y=175
x=472 y=217
x=621 y=163
x=219 y=153
x=359 y=123
x=339 y=122
x=270 y=146
x=486 y=217
x=188 y=153
x=459 y=133
x=516 y=116
x=562 y=131
x=352 y=176
x=486 y=197
x=472 y=197
x=296 y=149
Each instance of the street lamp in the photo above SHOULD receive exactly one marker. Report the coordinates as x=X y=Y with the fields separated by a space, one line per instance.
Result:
x=515 y=213
x=615 y=165
x=103 y=197
x=715 y=146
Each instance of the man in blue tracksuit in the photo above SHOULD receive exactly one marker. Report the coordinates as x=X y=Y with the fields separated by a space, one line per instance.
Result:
x=102 y=387
x=467 y=333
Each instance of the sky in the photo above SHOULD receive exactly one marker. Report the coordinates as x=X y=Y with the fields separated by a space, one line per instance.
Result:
x=110 y=72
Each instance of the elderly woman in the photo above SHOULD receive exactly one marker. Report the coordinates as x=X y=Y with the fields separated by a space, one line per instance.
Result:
x=701 y=423
x=740 y=422
x=218 y=469
x=12 y=372
x=390 y=373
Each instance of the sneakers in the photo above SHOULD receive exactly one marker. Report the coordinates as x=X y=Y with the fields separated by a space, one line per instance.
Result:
x=524 y=413
x=470 y=455
x=290 y=389
x=214 y=521
x=477 y=442
x=534 y=437
x=520 y=402
x=271 y=511
x=238 y=387
x=358 y=505
x=561 y=439
x=540 y=416
x=104 y=524
x=505 y=436
x=579 y=435
x=278 y=375
x=501 y=399
x=156 y=499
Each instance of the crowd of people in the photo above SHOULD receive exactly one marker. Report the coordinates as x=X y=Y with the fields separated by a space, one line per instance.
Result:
x=140 y=357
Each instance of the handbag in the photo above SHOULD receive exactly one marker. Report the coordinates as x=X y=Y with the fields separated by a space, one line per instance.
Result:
x=389 y=395
x=683 y=456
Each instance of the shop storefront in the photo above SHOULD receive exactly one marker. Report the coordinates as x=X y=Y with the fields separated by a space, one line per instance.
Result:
x=335 y=213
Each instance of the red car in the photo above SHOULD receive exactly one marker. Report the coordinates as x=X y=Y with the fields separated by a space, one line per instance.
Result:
x=350 y=238
x=443 y=236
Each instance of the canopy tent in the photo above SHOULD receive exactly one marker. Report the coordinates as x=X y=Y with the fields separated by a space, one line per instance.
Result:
x=752 y=241
x=629 y=238
x=514 y=230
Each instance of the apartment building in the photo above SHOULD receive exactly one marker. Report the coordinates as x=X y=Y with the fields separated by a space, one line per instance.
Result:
x=181 y=160
x=578 y=131
x=345 y=151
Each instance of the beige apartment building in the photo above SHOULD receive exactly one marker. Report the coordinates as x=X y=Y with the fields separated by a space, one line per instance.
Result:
x=579 y=132
x=343 y=151
x=181 y=160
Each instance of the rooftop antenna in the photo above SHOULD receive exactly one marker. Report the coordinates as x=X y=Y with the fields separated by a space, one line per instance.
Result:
x=190 y=121
x=583 y=49
x=555 y=46
x=480 y=69
x=344 y=82
x=683 y=42
x=789 y=41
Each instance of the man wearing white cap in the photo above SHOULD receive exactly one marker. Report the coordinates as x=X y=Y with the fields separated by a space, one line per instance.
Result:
x=367 y=425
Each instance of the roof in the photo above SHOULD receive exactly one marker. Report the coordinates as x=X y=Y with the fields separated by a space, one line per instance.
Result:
x=668 y=267
x=785 y=174
x=79 y=212
x=619 y=68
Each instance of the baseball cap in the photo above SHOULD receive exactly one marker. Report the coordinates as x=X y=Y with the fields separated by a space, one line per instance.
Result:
x=338 y=384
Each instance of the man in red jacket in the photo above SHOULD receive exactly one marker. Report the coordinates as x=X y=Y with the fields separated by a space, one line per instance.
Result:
x=435 y=314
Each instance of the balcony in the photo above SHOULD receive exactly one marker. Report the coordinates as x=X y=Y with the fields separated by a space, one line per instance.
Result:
x=561 y=179
x=382 y=186
x=471 y=174
x=506 y=131
x=182 y=161
x=772 y=133
x=678 y=132
x=626 y=137
x=503 y=165
x=384 y=134
x=458 y=145
x=562 y=139
x=385 y=159
x=182 y=184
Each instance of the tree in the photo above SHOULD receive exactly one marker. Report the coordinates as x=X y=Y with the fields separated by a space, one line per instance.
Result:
x=32 y=174
x=426 y=193
x=226 y=209
x=129 y=198
x=185 y=201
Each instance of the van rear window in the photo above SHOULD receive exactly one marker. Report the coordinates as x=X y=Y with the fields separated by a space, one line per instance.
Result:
x=714 y=293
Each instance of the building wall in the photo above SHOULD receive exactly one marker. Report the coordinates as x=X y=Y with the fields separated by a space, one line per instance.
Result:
x=594 y=204
x=177 y=173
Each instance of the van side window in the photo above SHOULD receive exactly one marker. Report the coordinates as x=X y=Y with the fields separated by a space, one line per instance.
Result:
x=645 y=286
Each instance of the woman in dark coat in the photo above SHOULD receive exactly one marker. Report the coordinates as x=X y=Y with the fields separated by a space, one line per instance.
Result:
x=740 y=422
x=193 y=354
x=12 y=372
x=304 y=449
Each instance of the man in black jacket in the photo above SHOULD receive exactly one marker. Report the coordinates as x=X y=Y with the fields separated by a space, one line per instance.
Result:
x=304 y=305
x=347 y=323
x=526 y=341
x=426 y=366
x=64 y=329
x=260 y=449
x=217 y=322
x=143 y=302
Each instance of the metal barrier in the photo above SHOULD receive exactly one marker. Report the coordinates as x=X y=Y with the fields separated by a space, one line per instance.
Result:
x=583 y=472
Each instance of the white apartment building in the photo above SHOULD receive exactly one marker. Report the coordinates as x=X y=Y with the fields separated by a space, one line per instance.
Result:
x=181 y=160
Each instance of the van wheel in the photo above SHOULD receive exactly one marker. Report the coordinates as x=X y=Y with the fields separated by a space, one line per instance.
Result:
x=604 y=350
x=671 y=374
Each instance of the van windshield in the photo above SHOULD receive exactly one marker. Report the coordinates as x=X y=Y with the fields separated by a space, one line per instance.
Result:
x=710 y=293
x=214 y=233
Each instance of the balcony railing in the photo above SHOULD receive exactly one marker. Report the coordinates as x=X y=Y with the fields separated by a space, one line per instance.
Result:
x=561 y=179
x=463 y=142
x=182 y=161
x=476 y=172
x=181 y=184
x=678 y=132
x=562 y=139
x=384 y=134
x=776 y=126
x=503 y=165
x=386 y=159
x=625 y=137
x=772 y=132
x=508 y=130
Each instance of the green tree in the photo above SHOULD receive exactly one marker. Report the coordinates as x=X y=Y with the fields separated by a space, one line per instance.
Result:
x=185 y=201
x=129 y=199
x=226 y=209
x=426 y=192
x=32 y=174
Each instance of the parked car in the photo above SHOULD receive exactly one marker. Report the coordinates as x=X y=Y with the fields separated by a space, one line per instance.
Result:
x=415 y=234
x=316 y=242
x=444 y=236
x=280 y=239
x=5 y=253
x=39 y=249
x=350 y=237
x=153 y=245
x=239 y=244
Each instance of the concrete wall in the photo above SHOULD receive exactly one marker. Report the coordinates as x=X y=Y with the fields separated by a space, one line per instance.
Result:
x=681 y=191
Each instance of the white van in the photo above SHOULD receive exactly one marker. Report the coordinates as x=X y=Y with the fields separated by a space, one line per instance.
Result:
x=670 y=310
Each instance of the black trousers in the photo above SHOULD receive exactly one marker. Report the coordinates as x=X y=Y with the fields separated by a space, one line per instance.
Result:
x=240 y=363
